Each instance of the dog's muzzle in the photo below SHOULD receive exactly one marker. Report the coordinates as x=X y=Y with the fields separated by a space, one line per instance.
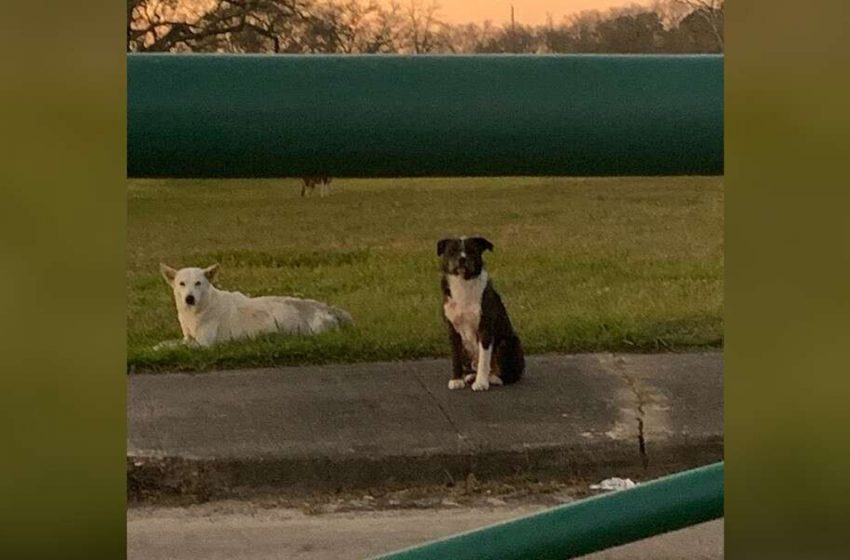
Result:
x=466 y=269
x=190 y=299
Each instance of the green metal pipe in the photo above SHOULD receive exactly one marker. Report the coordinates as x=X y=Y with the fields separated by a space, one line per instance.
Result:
x=589 y=525
x=204 y=115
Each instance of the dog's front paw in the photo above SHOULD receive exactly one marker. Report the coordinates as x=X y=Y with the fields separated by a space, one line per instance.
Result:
x=482 y=385
x=470 y=379
x=456 y=384
x=167 y=344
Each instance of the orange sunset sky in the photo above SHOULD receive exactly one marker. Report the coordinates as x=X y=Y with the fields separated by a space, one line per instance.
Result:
x=526 y=11
x=529 y=12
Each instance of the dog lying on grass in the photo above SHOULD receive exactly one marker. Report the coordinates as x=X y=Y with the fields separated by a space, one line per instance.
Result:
x=208 y=315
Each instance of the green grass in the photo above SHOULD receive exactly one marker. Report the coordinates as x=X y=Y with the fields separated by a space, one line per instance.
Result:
x=626 y=264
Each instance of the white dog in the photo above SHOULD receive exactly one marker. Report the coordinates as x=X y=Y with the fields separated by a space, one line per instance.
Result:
x=208 y=315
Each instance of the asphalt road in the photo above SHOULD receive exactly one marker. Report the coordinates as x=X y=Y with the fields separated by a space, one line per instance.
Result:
x=233 y=530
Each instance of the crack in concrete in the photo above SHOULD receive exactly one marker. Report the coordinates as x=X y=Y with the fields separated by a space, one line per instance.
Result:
x=644 y=457
x=470 y=448
x=641 y=412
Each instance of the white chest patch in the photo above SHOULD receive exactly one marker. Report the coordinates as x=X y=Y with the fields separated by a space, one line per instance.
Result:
x=463 y=308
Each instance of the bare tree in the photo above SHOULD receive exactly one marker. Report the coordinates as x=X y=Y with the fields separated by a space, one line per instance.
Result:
x=422 y=29
x=162 y=25
x=411 y=26
x=670 y=12
x=711 y=12
x=470 y=37
x=360 y=26
x=582 y=28
x=215 y=25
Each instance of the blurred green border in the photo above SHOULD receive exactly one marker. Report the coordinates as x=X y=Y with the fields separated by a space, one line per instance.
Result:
x=62 y=284
x=787 y=279
x=62 y=397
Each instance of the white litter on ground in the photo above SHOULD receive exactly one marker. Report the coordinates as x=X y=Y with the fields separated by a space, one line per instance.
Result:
x=614 y=484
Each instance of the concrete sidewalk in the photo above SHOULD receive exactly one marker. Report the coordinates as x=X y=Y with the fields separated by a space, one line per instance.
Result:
x=587 y=416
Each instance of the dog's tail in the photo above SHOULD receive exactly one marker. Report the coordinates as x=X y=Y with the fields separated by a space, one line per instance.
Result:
x=511 y=359
x=342 y=316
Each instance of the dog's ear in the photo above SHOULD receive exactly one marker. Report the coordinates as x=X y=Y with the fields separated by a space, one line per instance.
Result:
x=441 y=246
x=211 y=272
x=167 y=272
x=482 y=244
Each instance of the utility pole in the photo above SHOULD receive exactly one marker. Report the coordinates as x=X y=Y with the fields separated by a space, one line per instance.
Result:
x=513 y=31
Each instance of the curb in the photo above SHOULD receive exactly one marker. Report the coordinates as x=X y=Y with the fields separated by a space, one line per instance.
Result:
x=152 y=480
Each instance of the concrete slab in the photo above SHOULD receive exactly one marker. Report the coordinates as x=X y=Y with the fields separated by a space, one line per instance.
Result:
x=224 y=434
x=679 y=402
x=308 y=412
x=566 y=410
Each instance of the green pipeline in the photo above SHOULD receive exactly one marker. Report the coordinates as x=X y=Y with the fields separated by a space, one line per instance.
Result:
x=589 y=525
x=207 y=115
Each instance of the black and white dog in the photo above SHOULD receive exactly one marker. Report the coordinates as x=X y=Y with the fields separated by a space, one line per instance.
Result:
x=482 y=337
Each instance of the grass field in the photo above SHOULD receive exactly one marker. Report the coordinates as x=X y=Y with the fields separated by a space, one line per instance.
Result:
x=627 y=264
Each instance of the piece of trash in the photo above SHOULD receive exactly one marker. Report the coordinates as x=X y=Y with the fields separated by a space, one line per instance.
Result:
x=614 y=484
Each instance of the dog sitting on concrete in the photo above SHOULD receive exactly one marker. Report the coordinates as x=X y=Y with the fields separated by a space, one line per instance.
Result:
x=481 y=334
x=208 y=315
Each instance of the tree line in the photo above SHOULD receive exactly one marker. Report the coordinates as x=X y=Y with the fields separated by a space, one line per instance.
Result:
x=412 y=26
